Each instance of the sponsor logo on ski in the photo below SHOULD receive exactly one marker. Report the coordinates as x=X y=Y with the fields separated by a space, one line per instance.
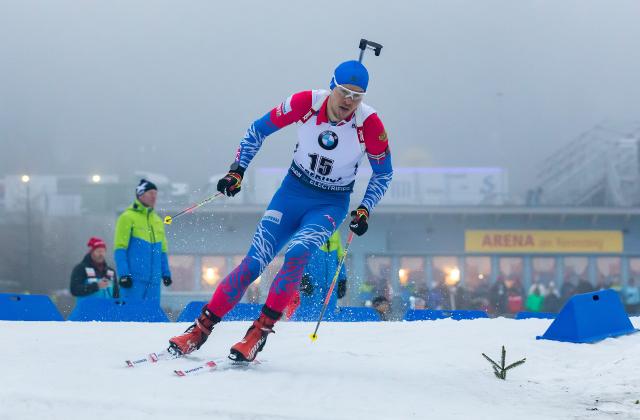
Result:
x=195 y=369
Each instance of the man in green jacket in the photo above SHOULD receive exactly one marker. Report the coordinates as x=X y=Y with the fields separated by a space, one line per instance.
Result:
x=141 y=247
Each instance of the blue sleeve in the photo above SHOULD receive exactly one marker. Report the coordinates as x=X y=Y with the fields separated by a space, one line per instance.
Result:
x=122 y=265
x=254 y=138
x=379 y=181
x=164 y=260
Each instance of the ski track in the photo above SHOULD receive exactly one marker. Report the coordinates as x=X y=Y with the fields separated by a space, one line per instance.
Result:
x=392 y=370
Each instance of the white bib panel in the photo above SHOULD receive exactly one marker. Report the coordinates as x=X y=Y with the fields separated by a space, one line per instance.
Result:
x=329 y=155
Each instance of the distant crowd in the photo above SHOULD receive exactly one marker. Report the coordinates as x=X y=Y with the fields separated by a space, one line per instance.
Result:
x=142 y=266
x=505 y=297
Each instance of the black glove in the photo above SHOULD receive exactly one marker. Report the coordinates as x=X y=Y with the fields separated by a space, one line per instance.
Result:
x=306 y=287
x=230 y=184
x=167 y=280
x=342 y=288
x=359 y=223
x=126 y=281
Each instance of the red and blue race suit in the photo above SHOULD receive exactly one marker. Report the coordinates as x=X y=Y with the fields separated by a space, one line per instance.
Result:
x=313 y=199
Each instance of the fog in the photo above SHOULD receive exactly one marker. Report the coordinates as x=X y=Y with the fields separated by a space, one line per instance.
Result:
x=170 y=87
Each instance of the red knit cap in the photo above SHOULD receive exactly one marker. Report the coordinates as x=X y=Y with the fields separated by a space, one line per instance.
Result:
x=95 y=243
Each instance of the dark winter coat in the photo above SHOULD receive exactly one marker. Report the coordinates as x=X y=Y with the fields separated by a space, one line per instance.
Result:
x=85 y=277
x=498 y=296
x=584 y=287
x=552 y=303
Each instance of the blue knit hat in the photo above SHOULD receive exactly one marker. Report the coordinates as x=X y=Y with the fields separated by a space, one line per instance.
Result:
x=351 y=72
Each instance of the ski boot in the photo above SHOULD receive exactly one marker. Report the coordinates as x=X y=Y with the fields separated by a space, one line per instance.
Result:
x=255 y=339
x=194 y=336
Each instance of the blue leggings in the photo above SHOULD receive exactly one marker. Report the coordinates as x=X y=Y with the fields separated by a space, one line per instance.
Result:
x=299 y=215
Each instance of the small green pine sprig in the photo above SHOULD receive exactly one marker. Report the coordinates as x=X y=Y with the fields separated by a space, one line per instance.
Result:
x=501 y=370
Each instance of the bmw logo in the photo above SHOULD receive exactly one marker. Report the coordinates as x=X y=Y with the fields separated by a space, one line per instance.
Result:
x=328 y=140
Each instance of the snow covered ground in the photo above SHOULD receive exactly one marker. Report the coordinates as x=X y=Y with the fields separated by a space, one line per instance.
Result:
x=421 y=370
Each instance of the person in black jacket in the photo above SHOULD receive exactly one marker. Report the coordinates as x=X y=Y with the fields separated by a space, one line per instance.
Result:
x=498 y=296
x=93 y=277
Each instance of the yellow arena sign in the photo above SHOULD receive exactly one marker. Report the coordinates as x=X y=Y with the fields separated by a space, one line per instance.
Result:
x=543 y=241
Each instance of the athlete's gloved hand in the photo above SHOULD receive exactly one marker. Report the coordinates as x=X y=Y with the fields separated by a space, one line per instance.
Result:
x=359 y=223
x=230 y=184
x=126 y=281
x=342 y=288
x=167 y=280
x=306 y=287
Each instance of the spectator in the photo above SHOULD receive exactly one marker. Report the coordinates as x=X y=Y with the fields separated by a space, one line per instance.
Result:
x=568 y=289
x=515 y=301
x=417 y=303
x=552 y=301
x=631 y=296
x=479 y=298
x=583 y=286
x=366 y=292
x=438 y=296
x=420 y=294
x=535 y=298
x=253 y=293
x=462 y=297
x=93 y=277
x=382 y=305
x=616 y=284
x=498 y=296
x=539 y=286
x=141 y=247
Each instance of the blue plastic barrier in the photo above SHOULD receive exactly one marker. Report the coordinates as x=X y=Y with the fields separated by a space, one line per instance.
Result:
x=306 y=314
x=241 y=312
x=244 y=312
x=538 y=315
x=28 y=308
x=354 y=314
x=251 y=311
x=339 y=314
x=191 y=311
x=433 y=314
x=590 y=317
x=116 y=310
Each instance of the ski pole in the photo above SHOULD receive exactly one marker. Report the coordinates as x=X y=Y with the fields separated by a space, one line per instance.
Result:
x=169 y=219
x=314 y=336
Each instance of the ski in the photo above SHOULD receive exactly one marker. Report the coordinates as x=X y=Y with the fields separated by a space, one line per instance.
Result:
x=216 y=365
x=151 y=358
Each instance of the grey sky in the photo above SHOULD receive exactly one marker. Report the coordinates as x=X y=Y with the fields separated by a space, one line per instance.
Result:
x=171 y=86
